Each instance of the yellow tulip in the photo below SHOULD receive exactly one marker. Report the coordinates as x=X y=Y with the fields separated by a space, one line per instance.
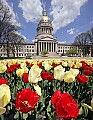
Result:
x=14 y=61
x=3 y=68
x=74 y=72
x=89 y=62
x=47 y=65
x=70 y=63
x=78 y=65
x=57 y=61
x=59 y=72
x=23 y=65
x=64 y=63
x=4 y=97
x=70 y=75
x=35 y=74
x=19 y=72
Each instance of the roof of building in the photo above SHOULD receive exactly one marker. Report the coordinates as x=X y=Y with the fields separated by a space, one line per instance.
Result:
x=44 y=18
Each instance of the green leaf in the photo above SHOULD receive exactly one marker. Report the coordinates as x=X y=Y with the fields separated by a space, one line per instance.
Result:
x=49 y=107
x=86 y=111
x=10 y=117
x=32 y=117
x=16 y=115
x=81 y=111
x=25 y=116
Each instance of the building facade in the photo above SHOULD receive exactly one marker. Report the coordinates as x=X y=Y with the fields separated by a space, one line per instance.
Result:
x=44 y=40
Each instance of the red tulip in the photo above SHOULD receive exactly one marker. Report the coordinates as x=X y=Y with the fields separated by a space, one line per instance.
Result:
x=66 y=107
x=3 y=81
x=47 y=76
x=26 y=100
x=82 y=78
x=25 y=77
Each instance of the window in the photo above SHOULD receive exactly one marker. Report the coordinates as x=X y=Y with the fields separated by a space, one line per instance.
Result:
x=32 y=50
x=4 y=50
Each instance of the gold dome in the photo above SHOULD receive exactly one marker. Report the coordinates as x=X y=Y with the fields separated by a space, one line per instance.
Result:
x=45 y=18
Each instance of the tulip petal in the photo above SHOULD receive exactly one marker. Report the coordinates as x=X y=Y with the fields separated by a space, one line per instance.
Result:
x=2 y=93
x=38 y=89
x=87 y=106
x=7 y=95
x=2 y=110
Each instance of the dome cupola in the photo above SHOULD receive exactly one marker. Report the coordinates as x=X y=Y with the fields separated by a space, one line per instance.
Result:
x=44 y=18
x=44 y=25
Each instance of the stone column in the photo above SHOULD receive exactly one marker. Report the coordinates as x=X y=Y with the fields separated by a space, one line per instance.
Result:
x=38 y=47
x=56 y=47
x=51 y=46
x=46 y=46
x=41 y=46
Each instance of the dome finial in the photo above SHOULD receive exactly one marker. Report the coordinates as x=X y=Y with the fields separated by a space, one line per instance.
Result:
x=44 y=10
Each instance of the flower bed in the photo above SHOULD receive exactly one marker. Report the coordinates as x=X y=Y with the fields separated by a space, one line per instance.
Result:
x=46 y=89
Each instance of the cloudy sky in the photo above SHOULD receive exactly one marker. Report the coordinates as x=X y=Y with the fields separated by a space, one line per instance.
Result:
x=69 y=17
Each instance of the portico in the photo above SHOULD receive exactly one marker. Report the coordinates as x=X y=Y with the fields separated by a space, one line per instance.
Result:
x=46 y=45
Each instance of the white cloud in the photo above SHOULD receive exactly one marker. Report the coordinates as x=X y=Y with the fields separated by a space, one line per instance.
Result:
x=64 y=42
x=71 y=31
x=13 y=18
x=18 y=33
x=65 y=12
x=32 y=9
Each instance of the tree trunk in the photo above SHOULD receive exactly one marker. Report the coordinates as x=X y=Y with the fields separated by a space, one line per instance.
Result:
x=92 y=50
x=17 y=50
x=7 y=48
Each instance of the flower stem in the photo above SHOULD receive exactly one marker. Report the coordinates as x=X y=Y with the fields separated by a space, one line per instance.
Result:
x=2 y=117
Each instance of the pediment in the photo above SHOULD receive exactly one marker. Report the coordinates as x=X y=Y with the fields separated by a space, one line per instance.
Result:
x=47 y=38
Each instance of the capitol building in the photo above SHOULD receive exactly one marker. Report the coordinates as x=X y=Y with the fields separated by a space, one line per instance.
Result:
x=44 y=40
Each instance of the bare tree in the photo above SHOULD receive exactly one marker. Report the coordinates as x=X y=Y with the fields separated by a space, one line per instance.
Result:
x=15 y=40
x=8 y=28
x=90 y=36
x=6 y=21
x=82 y=41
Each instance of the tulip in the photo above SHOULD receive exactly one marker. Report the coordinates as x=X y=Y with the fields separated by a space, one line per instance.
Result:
x=47 y=65
x=59 y=72
x=4 y=97
x=35 y=74
x=3 y=68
